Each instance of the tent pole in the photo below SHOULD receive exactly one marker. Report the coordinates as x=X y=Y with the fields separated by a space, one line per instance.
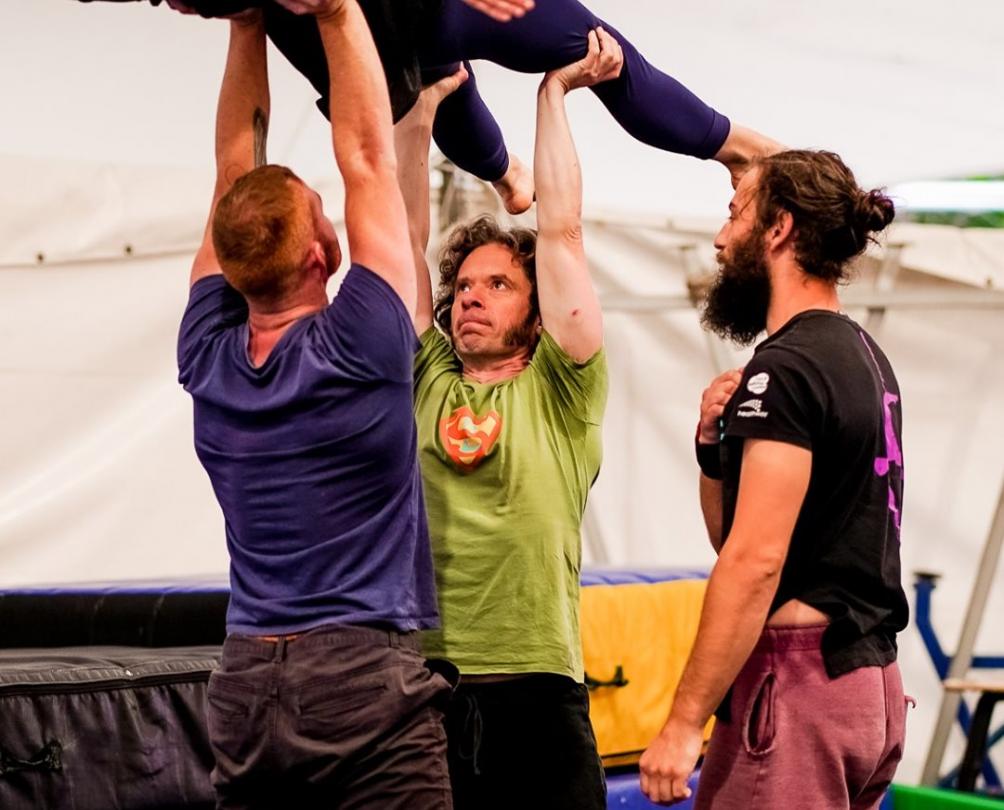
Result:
x=885 y=280
x=962 y=660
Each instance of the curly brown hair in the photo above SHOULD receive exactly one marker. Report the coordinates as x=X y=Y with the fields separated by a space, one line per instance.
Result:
x=834 y=218
x=484 y=230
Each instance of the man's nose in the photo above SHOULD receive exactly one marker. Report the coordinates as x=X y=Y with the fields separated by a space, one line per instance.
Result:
x=471 y=300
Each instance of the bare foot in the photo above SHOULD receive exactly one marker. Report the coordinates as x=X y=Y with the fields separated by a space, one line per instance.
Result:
x=515 y=187
x=742 y=147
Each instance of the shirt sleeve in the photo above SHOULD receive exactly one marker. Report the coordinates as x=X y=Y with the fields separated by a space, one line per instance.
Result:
x=435 y=356
x=779 y=398
x=581 y=388
x=369 y=332
x=213 y=307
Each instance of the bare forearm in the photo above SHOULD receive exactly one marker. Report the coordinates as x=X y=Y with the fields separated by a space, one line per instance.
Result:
x=556 y=165
x=360 y=106
x=241 y=124
x=711 y=508
x=412 y=136
x=569 y=308
x=411 y=143
x=243 y=96
x=735 y=611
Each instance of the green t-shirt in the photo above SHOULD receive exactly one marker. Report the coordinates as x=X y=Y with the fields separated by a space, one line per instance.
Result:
x=507 y=468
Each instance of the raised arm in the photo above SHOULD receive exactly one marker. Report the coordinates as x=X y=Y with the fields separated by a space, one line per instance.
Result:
x=241 y=122
x=569 y=308
x=411 y=143
x=362 y=133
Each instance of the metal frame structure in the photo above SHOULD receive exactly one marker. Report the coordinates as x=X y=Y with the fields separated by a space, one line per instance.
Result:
x=924 y=585
x=952 y=706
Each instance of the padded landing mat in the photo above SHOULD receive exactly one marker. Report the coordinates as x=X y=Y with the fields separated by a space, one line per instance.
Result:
x=94 y=728
x=140 y=613
x=636 y=639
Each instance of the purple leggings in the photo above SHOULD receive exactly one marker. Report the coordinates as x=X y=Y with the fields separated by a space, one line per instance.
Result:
x=798 y=738
x=653 y=107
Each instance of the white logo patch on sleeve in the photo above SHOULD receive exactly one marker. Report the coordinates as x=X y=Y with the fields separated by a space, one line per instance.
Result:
x=751 y=408
x=758 y=382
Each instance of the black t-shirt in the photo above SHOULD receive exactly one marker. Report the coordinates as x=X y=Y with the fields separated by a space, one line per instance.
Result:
x=821 y=382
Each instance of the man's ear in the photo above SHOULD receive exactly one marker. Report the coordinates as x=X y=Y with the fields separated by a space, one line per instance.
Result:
x=317 y=261
x=781 y=231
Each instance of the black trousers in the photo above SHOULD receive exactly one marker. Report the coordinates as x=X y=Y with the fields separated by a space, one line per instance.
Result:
x=340 y=717
x=524 y=743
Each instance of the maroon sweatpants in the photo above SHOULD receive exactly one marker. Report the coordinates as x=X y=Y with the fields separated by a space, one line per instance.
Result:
x=798 y=738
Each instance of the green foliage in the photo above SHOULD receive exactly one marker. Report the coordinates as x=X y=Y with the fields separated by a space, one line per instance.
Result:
x=986 y=219
x=990 y=219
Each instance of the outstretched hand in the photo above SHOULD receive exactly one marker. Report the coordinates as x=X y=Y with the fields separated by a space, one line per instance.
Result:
x=603 y=61
x=423 y=113
x=434 y=93
x=502 y=10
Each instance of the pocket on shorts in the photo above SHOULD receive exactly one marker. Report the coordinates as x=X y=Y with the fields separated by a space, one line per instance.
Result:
x=233 y=717
x=760 y=720
x=230 y=698
x=325 y=707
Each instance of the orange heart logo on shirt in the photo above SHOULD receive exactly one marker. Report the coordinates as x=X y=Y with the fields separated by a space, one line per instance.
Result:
x=468 y=438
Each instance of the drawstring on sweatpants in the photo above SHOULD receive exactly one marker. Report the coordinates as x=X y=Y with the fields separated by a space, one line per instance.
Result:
x=470 y=737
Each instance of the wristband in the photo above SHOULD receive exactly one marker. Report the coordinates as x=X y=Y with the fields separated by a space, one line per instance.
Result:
x=709 y=458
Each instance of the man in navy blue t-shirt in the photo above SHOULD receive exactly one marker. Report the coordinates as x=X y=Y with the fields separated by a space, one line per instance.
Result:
x=303 y=421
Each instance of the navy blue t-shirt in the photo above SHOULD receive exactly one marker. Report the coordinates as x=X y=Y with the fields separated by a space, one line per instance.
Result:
x=312 y=457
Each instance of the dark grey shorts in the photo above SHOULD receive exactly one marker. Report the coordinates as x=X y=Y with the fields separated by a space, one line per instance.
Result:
x=340 y=717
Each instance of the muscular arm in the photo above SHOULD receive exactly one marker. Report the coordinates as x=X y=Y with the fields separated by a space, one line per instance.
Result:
x=411 y=142
x=775 y=478
x=569 y=308
x=362 y=134
x=244 y=100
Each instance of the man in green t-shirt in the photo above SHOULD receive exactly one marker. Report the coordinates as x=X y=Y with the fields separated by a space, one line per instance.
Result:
x=508 y=398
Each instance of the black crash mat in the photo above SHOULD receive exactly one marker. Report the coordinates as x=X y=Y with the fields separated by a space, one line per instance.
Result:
x=96 y=728
x=173 y=613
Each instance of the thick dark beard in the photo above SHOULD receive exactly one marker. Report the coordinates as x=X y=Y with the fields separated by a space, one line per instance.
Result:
x=737 y=302
x=523 y=335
